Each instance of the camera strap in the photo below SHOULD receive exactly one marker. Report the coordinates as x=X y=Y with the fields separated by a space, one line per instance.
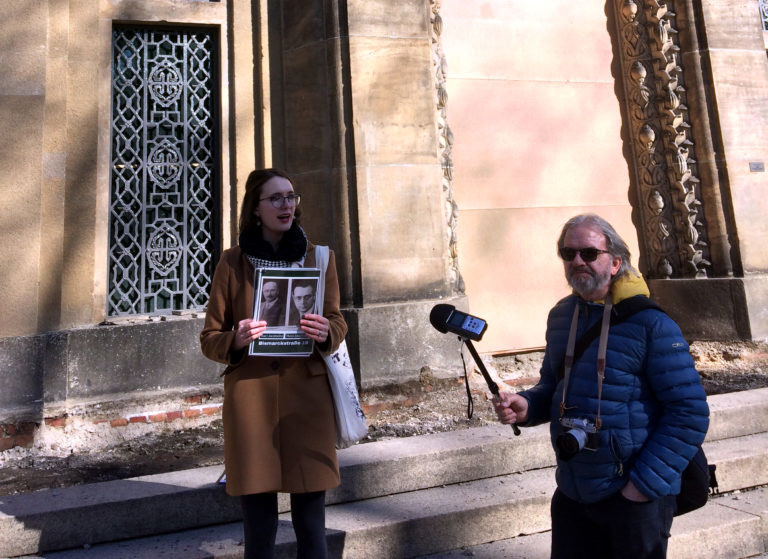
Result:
x=602 y=349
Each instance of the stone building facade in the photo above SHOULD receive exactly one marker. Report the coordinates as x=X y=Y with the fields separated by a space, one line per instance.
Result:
x=438 y=146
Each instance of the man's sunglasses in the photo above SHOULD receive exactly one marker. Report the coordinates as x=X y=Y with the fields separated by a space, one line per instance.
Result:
x=588 y=254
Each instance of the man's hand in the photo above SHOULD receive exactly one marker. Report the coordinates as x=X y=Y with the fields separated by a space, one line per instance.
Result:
x=511 y=408
x=631 y=493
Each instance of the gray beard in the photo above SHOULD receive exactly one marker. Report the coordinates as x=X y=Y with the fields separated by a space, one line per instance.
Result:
x=583 y=285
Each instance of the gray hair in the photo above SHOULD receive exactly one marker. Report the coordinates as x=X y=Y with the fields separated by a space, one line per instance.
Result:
x=615 y=244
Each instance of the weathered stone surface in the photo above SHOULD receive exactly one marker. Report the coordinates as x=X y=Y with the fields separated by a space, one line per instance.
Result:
x=405 y=18
x=732 y=24
x=393 y=103
x=509 y=41
x=506 y=157
x=21 y=377
x=393 y=342
x=309 y=130
x=537 y=139
x=756 y=289
x=22 y=56
x=20 y=154
x=102 y=360
x=401 y=233
x=304 y=22
x=714 y=309
x=739 y=75
x=115 y=359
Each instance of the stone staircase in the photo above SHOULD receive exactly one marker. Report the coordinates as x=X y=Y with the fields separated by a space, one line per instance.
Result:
x=481 y=492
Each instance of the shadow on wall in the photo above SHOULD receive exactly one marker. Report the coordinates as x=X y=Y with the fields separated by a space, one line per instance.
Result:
x=21 y=389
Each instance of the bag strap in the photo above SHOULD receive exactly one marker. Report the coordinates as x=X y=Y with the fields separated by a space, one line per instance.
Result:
x=621 y=312
x=322 y=255
x=601 y=351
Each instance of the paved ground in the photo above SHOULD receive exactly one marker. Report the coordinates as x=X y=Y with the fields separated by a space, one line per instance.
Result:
x=430 y=405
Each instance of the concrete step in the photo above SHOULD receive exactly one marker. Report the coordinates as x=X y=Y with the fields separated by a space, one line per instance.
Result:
x=62 y=518
x=737 y=414
x=136 y=507
x=89 y=514
x=402 y=525
x=509 y=512
x=731 y=526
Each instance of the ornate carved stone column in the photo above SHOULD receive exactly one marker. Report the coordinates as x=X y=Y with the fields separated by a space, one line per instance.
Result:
x=445 y=148
x=685 y=209
x=669 y=200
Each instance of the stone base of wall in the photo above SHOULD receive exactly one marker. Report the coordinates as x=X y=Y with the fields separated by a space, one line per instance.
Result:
x=100 y=363
x=716 y=309
x=393 y=343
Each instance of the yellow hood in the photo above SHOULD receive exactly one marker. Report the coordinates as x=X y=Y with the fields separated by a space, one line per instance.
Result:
x=628 y=286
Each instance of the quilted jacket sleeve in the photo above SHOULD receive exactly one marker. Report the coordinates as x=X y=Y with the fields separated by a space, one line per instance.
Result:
x=684 y=413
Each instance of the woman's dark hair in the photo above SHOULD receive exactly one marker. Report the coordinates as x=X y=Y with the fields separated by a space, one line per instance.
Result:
x=253 y=184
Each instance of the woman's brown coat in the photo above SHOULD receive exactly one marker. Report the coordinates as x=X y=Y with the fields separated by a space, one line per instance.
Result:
x=279 y=432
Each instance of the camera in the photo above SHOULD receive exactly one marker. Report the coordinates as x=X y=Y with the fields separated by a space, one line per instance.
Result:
x=580 y=434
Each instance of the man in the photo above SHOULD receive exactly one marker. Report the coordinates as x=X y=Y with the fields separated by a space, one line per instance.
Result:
x=622 y=443
x=272 y=308
x=303 y=299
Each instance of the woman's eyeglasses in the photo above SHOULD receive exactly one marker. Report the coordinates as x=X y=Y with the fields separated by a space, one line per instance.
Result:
x=588 y=254
x=278 y=200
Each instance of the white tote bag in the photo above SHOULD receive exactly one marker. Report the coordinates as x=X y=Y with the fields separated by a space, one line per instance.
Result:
x=350 y=419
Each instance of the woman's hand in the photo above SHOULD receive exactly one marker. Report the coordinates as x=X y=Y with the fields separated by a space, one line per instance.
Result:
x=247 y=331
x=315 y=326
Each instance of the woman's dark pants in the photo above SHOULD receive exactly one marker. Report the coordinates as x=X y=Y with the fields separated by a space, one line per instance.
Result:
x=260 y=524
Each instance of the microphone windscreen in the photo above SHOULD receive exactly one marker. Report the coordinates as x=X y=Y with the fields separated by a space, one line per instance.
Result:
x=439 y=316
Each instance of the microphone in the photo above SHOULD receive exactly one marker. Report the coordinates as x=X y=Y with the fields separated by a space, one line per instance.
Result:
x=446 y=318
x=439 y=316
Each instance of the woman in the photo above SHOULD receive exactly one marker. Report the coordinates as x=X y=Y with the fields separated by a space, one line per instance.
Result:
x=279 y=433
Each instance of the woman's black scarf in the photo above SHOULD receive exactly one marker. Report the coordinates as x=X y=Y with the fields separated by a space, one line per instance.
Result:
x=292 y=247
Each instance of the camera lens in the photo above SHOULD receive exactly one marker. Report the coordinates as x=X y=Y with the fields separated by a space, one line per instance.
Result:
x=570 y=443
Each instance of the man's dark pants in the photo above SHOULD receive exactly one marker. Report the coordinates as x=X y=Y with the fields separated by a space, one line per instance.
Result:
x=613 y=528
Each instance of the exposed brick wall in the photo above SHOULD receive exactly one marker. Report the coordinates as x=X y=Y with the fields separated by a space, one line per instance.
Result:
x=17 y=434
x=200 y=405
x=166 y=416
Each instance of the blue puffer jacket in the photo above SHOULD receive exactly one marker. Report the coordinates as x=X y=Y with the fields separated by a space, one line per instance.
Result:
x=653 y=409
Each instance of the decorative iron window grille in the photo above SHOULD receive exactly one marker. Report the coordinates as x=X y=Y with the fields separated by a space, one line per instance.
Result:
x=164 y=170
x=764 y=13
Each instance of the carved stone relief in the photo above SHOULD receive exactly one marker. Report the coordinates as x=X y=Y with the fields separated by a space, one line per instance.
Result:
x=445 y=141
x=669 y=193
